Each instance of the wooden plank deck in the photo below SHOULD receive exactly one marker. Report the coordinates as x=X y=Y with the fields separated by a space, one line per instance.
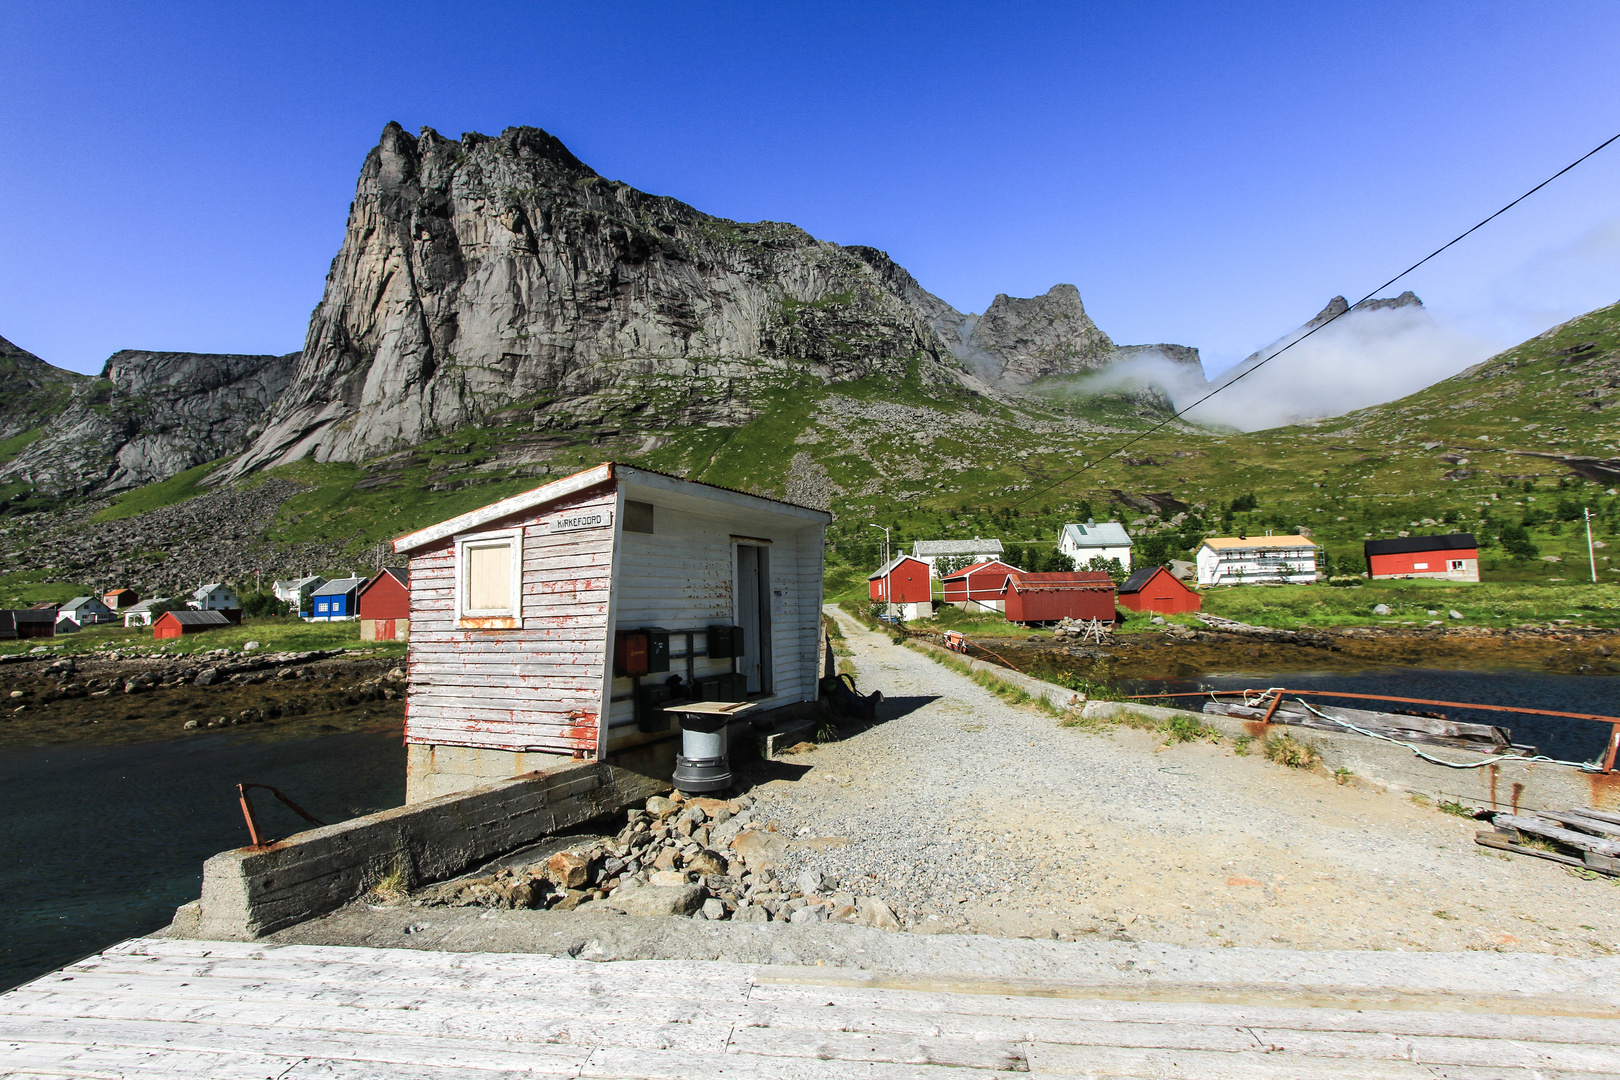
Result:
x=160 y=1008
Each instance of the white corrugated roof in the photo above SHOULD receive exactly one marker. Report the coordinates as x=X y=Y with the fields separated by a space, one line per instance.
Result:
x=1096 y=534
x=976 y=546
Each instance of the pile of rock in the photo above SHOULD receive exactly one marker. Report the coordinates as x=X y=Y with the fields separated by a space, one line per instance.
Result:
x=697 y=857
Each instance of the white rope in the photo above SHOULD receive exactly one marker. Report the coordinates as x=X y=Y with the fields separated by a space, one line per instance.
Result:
x=1587 y=766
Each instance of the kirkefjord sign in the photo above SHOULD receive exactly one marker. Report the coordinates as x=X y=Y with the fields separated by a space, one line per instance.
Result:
x=581 y=519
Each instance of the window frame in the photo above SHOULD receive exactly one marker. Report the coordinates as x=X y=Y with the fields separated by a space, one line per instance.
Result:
x=508 y=618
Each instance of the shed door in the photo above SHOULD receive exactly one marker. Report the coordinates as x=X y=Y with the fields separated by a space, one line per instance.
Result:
x=754 y=615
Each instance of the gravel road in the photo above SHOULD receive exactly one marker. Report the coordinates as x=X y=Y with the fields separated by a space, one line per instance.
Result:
x=974 y=816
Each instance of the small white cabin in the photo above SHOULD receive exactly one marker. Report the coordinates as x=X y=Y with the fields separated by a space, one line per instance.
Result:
x=214 y=597
x=519 y=611
x=84 y=611
x=144 y=612
x=1096 y=540
x=1254 y=560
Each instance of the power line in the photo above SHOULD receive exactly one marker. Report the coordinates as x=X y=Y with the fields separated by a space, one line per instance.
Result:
x=1250 y=371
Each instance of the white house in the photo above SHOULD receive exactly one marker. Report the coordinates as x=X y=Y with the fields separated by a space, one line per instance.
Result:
x=144 y=612
x=552 y=624
x=1096 y=540
x=1250 y=560
x=214 y=597
x=84 y=611
x=295 y=593
x=975 y=550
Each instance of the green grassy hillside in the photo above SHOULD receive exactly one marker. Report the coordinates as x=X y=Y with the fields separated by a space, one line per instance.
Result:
x=1480 y=452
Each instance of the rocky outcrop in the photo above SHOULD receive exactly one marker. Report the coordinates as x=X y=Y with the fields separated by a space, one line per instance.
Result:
x=31 y=391
x=1020 y=340
x=481 y=274
x=147 y=417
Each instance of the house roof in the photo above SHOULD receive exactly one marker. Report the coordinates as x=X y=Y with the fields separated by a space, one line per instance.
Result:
x=1402 y=545
x=1070 y=581
x=79 y=602
x=892 y=565
x=1239 y=543
x=975 y=546
x=116 y=592
x=1139 y=577
x=338 y=586
x=147 y=605
x=400 y=574
x=606 y=472
x=34 y=616
x=979 y=568
x=202 y=591
x=298 y=583
x=197 y=618
x=1096 y=534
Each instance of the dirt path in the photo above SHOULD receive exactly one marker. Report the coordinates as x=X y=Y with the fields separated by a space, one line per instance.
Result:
x=972 y=815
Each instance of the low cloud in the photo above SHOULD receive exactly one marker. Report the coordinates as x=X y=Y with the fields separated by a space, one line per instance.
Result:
x=1363 y=358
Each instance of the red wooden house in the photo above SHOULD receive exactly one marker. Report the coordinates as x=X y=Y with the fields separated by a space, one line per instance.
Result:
x=1454 y=557
x=1039 y=598
x=978 y=587
x=1156 y=589
x=904 y=582
x=173 y=624
x=385 y=605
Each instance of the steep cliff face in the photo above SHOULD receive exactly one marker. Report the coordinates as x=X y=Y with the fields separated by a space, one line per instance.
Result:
x=1020 y=340
x=486 y=273
x=150 y=415
x=31 y=391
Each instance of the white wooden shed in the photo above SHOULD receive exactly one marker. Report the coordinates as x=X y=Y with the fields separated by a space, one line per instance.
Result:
x=515 y=609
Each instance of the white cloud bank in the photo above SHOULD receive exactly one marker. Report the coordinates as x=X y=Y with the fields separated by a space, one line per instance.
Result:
x=1363 y=358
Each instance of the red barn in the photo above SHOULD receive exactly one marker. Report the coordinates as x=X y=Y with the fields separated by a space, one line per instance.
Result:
x=1155 y=589
x=978 y=587
x=905 y=584
x=1039 y=598
x=1454 y=557
x=385 y=605
x=173 y=624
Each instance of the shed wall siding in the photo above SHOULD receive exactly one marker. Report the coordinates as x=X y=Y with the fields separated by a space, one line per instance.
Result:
x=538 y=688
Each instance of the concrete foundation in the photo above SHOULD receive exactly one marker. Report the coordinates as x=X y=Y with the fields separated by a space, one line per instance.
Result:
x=250 y=892
x=432 y=772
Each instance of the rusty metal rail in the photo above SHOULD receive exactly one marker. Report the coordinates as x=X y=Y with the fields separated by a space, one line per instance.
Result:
x=1276 y=694
x=252 y=820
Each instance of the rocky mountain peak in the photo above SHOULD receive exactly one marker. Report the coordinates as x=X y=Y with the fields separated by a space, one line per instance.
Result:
x=1022 y=339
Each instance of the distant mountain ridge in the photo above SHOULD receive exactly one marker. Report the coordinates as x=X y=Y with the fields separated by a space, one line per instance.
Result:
x=482 y=274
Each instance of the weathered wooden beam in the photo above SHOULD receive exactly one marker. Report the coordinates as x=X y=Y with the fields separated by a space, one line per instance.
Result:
x=1538 y=827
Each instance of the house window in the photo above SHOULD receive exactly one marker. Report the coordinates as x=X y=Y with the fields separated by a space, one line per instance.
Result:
x=488 y=579
x=1420 y=566
x=320 y=607
x=1456 y=564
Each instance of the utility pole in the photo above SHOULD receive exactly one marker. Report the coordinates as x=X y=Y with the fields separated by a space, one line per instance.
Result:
x=888 y=571
x=1590 y=557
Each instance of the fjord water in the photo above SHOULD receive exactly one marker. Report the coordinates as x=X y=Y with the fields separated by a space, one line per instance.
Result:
x=1567 y=740
x=102 y=843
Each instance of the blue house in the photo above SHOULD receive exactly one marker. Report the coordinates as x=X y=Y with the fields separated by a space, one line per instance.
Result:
x=335 y=600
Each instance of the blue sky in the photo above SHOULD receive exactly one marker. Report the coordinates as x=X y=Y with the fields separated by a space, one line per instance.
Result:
x=176 y=176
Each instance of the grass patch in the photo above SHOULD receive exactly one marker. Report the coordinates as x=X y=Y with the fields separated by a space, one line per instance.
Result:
x=1286 y=750
x=1241 y=744
x=1456 y=809
x=276 y=633
x=176 y=489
